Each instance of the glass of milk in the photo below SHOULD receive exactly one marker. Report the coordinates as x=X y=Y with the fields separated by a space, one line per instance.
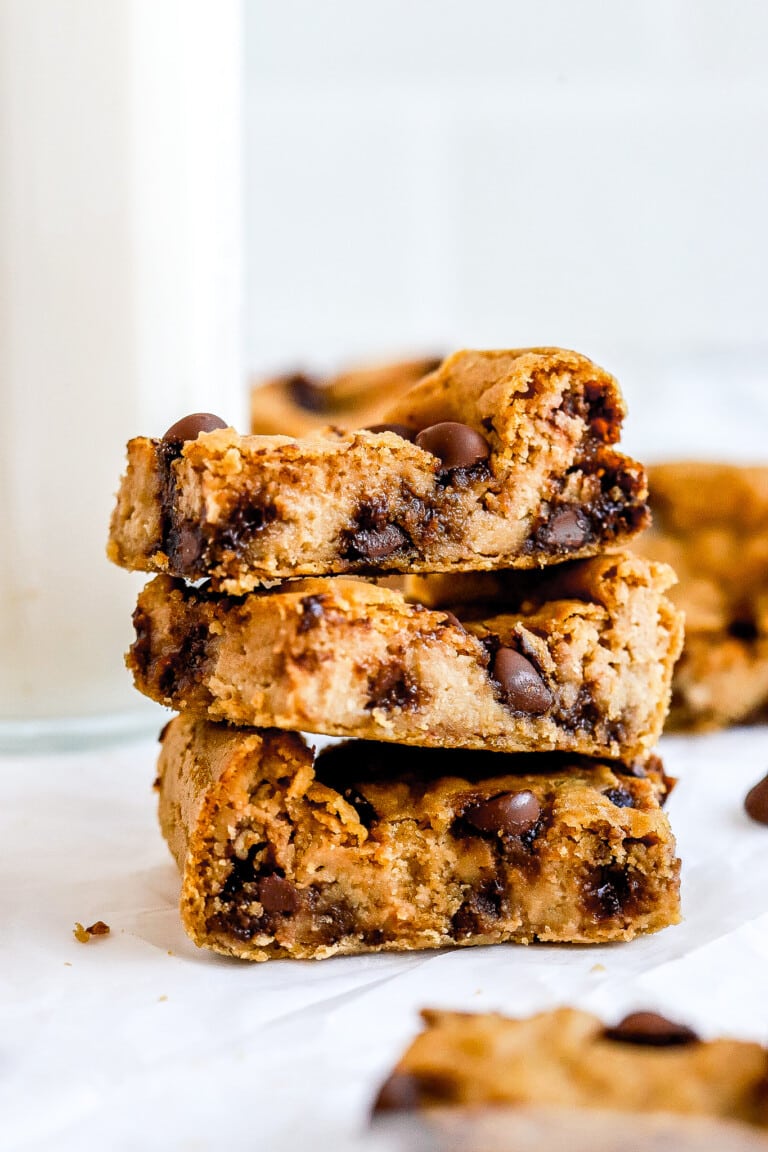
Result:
x=120 y=161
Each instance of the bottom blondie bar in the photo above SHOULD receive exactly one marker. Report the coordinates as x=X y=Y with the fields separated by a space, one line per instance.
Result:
x=368 y=847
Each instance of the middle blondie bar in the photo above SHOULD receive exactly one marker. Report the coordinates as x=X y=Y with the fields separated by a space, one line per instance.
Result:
x=580 y=661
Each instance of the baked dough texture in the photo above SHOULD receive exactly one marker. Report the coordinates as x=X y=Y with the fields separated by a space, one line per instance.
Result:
x=240 y=510
x=591 y=646
x=364 y=848
x=710 y=522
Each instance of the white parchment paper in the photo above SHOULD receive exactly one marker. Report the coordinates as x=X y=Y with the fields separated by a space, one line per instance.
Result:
x=140 y=1040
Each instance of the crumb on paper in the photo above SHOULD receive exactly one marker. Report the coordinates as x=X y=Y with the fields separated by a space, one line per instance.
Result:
x=160 y=999
x=67 y=963
x=598 y=968
x=98 y=928
x=170 y=953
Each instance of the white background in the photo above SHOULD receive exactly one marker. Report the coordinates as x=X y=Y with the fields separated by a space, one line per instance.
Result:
x=422 y=175
x=427 y=174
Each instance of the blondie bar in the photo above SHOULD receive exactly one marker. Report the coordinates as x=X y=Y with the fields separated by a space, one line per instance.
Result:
x=497 y=458
x=297 y=404
x=581 y=660
x=364 y=847
x=570 y=1059
x=711 y=525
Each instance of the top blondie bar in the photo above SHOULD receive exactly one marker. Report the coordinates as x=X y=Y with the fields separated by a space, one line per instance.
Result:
x=496 y=459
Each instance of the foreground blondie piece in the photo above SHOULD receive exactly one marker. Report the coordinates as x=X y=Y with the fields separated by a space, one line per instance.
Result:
x=711 y=524
x=368 y=848
x=569 y=1059
x=297 y=404
x=581 y=660
x=512 y=465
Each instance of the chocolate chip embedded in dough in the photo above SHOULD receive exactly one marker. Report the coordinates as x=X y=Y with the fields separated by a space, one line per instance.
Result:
x=377 y=543
x=186 y=545
x=277 y=894
x=401 y=430
x=312 y=612
x=756 y=803
x=190 y=427
x=522 y=686
x=620 y=797
x=566 y=528
x=511 y=814
x=452 y=619
x=310 y=394
x=651 y=1030
x=455 y=445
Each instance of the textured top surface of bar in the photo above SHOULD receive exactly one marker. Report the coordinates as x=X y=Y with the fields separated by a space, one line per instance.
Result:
x=569 y=1059
x=580 y=659
x=514 y=466
x=370 y=847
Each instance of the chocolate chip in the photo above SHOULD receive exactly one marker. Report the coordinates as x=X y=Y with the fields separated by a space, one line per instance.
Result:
x=401 y=430
x=608 y=900
x=567 y=528
x=309 y=394
x=510 y=814
x=243 y=522
x=652 y=1030
x=373 y=544
x=180 y=668
x=453 y=620
x=620 y=797
x=185 y=545
x=190 y=427
x=455 y=445
x=522 y=686
x=277 y=894
x=744 y=629
x=756 y=803
x=480 y=912
x=392 y=687
x=312 y=612
x=374 y=537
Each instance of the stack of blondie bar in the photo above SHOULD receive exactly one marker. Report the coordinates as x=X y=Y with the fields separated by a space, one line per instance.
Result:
x=449 y=592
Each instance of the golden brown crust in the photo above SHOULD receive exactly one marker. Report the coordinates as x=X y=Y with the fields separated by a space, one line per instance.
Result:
x=711 y=525
x=367 y=850
x=349 y=658
x=240 y=510
x=564 y=1059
